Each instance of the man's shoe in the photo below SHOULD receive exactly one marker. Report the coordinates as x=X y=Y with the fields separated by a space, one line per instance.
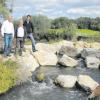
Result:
x=35 y=50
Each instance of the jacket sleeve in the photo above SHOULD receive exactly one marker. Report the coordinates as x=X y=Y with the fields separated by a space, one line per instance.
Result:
x=24 y=24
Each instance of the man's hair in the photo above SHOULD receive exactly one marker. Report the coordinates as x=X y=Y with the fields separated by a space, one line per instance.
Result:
x=29 y=16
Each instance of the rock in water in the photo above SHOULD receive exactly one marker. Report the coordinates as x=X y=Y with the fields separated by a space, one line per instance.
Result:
x=68 y=61
x=46 y=58
x=87 y=81
x=40 y=76
x=92 y=62
x=66 y=81
x=70 y=51
x=95 y=93
x=90 y=52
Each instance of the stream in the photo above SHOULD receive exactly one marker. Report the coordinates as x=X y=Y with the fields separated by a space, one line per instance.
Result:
x=32 y=90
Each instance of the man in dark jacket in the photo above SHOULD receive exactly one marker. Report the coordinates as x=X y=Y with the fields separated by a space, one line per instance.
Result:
x=29 y=29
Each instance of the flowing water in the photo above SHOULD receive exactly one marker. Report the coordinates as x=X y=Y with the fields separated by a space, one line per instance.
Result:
x=33 y=90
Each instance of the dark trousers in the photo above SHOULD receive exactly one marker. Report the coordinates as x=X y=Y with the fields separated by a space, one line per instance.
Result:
x=19 y=45
x=7 y=44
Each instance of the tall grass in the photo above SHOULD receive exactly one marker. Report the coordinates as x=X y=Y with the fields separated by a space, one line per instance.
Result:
x=7 y=75
x=87 y=32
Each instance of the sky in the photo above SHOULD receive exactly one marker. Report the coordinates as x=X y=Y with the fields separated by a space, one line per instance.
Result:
x=57 y=8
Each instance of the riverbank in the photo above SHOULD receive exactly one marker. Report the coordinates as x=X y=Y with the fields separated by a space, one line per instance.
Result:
x=55 y=54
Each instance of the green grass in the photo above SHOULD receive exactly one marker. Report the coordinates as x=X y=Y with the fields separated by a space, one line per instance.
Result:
x=87 y=32
x=56 y=31
x=58 y=34
x=7 y=75
x=79 y=32
x=93 y=35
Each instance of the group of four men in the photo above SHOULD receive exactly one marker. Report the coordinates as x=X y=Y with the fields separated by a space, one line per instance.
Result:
x=24 y=30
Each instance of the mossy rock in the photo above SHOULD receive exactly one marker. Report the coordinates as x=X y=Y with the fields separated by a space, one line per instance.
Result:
x=40 y=76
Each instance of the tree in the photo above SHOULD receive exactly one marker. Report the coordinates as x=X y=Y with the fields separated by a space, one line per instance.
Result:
x=41 y=24
x=95 y=24
x=2 y=2
x=63 y=22
x=60 y=22
x=83 y=22
x=3 y=10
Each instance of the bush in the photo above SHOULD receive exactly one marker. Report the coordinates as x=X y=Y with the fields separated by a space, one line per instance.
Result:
x=7 y=75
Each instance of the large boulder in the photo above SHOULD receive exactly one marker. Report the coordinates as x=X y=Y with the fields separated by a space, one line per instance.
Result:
x=46 y=47
x=90 y=52
x=87 y=81
x=68 y=61
x=92 y=62
x=57 y=46
x=82 y=44
x=95 y=93
x=46 y=58
x=66 y=43
x=95 y=45
x=66 y=81
x=28 y=61
x=28 y=64
x=68 y=50
x=53 y=47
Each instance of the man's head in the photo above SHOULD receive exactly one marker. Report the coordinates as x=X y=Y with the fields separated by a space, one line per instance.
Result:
x=9 y=18
x=28 y=17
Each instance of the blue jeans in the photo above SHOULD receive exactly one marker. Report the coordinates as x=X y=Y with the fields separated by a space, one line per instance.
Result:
x=7 y=44
x=30 y=36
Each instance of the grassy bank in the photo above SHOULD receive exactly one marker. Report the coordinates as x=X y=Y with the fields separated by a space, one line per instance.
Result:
x=87 y=33
x=7 y=75
x=78 y=32
x=61 y=34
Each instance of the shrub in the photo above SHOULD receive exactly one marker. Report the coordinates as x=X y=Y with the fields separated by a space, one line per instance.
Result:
x=7 y=75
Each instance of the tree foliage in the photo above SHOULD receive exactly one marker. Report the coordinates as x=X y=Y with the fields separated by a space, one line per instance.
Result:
x=62 y=27
x=88 y=23
x=3 y=10
x=41 y=24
